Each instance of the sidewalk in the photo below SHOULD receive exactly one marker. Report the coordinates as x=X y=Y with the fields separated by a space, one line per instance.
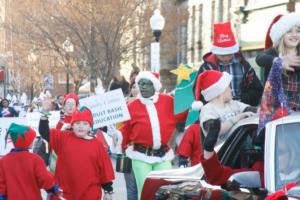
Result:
x=119 y=185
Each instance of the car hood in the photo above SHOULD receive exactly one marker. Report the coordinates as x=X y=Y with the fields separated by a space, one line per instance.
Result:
x=294 y=192
x=189 y=173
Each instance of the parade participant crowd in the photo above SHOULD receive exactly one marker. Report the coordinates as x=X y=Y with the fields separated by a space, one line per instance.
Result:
x=226 y=85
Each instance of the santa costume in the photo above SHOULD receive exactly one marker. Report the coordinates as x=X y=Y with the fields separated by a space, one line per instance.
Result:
x=22 y=173
x=83 y=165
x=149 y=130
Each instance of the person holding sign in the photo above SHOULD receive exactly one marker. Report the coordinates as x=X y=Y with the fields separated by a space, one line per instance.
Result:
x=83 y=165
x=23 y=174
x=150 y=128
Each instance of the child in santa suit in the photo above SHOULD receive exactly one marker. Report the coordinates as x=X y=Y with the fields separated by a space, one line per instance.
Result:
x=23 y=174
x=221 y=108
x=190 y=146
x=150 y=128
x=83 y=165
x=216 y=118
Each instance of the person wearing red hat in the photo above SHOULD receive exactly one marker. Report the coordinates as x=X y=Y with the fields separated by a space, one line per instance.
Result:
x=146 y=135
x=70 y=104
x=221 y=108
x=283 y=38
x=216 y=119
x=225 y=56
x=83 y=165
x=22 y=173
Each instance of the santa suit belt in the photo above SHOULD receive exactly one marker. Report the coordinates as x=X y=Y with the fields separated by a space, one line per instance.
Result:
x=149 y=151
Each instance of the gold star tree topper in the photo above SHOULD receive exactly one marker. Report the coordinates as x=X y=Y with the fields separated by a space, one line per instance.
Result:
x=182 y=72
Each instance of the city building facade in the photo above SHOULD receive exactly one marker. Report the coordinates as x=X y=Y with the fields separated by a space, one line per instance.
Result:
x=249 y=19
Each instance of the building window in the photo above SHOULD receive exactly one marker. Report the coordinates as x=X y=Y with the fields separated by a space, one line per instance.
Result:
x=200 y=32
x=220 y=9
x=228 y=8
x=184 y=43
x=193 y=34
x=213 y=5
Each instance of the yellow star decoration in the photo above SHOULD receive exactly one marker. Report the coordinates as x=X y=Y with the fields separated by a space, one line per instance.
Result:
x=182 y=72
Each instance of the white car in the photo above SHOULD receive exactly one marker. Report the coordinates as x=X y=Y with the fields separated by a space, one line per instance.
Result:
x=281 y=165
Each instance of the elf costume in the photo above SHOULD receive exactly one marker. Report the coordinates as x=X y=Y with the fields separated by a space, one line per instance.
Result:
x=23 y=174
x=63 y=123
x=149 y=130
x=83 y=165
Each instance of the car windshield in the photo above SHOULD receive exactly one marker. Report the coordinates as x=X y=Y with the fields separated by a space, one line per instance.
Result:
x=287 y=161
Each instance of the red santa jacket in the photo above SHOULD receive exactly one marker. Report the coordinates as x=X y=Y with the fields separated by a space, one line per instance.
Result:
x=82 y=165
x=151 y=124
x=22 y=175
x=218 y=174
x=190 y=145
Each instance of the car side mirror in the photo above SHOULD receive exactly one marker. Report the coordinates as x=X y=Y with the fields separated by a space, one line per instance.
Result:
x=249 y=179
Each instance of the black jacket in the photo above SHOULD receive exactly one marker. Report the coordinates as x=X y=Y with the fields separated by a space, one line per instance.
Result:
x=265 y=60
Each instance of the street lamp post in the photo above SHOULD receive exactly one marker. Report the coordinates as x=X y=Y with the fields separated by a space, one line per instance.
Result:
x=157 y=23
x=69 y=48
x=32 y=58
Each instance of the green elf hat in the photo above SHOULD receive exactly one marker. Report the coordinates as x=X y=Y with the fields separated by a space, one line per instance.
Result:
x=82 y=114
x=22 y=136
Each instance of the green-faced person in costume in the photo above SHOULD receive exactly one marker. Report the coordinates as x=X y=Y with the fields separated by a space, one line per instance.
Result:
x=146 y=88
x=149 y=130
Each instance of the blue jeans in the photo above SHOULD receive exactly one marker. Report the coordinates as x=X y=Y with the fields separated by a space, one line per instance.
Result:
x=132 y=193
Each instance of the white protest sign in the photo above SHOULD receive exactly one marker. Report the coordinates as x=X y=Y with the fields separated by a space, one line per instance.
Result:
x=33 y=119
x=108 y=108
x=4 y=125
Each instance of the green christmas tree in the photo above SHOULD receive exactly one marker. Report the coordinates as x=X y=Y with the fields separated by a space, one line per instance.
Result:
x=184 y=95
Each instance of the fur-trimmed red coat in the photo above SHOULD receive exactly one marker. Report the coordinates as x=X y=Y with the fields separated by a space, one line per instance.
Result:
x=217 y=174
x=147 y=131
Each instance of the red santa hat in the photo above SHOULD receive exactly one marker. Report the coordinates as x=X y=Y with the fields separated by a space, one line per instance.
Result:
x=283 y=25
x=224 y=42
x=21 y=136
x=84 y=114
x=268 y=41
x=152 y=76
x=211 y=84
x=71 y=96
